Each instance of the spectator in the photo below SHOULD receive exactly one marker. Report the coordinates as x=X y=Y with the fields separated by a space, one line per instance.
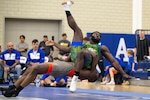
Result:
x=64 y=42
x=85 y=40
x=56 y=82
x=48 y=50
x=1 y=68
x=22 y=46
x=142 y=47
x=130 y=66
x=35 y=55
x=10 y=59
x=110 y=71
x=0 y=49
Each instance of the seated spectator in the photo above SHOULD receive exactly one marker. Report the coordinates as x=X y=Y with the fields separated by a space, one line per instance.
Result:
x=110 y=71
x=85 y=40
x=1 y=69
x=0 y=49
x=48 y=50
x=10 y=59
x=35 y=55
x=22 y=46
x=1 y=74
x=64 y=42
x=56 y=82
x=130 y=66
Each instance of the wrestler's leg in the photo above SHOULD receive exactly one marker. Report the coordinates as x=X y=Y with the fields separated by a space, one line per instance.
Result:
x=39 y=69
x=78 y=36
x=82 y=57
x=58 y=69
x=86 y=74
x=34 y=70
x=19 y=81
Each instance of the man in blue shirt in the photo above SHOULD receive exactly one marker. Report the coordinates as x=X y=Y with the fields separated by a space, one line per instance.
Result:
x=10 y=58
x=35 y=55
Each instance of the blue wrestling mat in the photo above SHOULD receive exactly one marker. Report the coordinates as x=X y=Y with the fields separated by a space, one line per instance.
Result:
x=52 y=93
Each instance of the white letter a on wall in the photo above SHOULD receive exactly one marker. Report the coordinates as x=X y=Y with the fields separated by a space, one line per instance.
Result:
x=122 y=49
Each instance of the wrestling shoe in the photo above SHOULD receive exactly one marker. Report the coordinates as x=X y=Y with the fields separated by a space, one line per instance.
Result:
x=69 y=3
x=73 y=84
x=11 y=93
x=4 y=89
x=7 y=88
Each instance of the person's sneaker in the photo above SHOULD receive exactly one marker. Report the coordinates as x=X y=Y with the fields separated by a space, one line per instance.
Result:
x=111 y=83
x=69 y=3
x=11 y=93
x=104 y=82
x=73 y=84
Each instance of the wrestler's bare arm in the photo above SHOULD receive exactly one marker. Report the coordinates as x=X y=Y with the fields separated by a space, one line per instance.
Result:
x=60 y=47
x=106 y=53
x=94 y=60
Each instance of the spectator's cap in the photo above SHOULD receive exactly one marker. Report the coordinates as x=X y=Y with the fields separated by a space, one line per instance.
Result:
x=64 y=34
x=45 y=36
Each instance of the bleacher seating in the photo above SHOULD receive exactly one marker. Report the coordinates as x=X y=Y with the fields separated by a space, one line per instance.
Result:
x=142 y=70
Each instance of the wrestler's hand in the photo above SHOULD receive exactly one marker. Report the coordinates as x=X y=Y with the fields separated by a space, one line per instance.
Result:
x=49 y=43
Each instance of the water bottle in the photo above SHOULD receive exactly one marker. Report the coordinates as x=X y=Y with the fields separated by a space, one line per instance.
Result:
x=38 y=81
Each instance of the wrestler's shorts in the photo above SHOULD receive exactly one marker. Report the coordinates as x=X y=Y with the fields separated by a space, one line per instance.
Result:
x=87 y=62
x=60 y=68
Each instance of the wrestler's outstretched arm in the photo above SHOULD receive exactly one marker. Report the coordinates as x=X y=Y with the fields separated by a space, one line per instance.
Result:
x=106 y=53
x=60 y=47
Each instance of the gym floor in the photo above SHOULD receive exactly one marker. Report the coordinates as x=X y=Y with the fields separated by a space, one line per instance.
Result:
x=85 y=91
